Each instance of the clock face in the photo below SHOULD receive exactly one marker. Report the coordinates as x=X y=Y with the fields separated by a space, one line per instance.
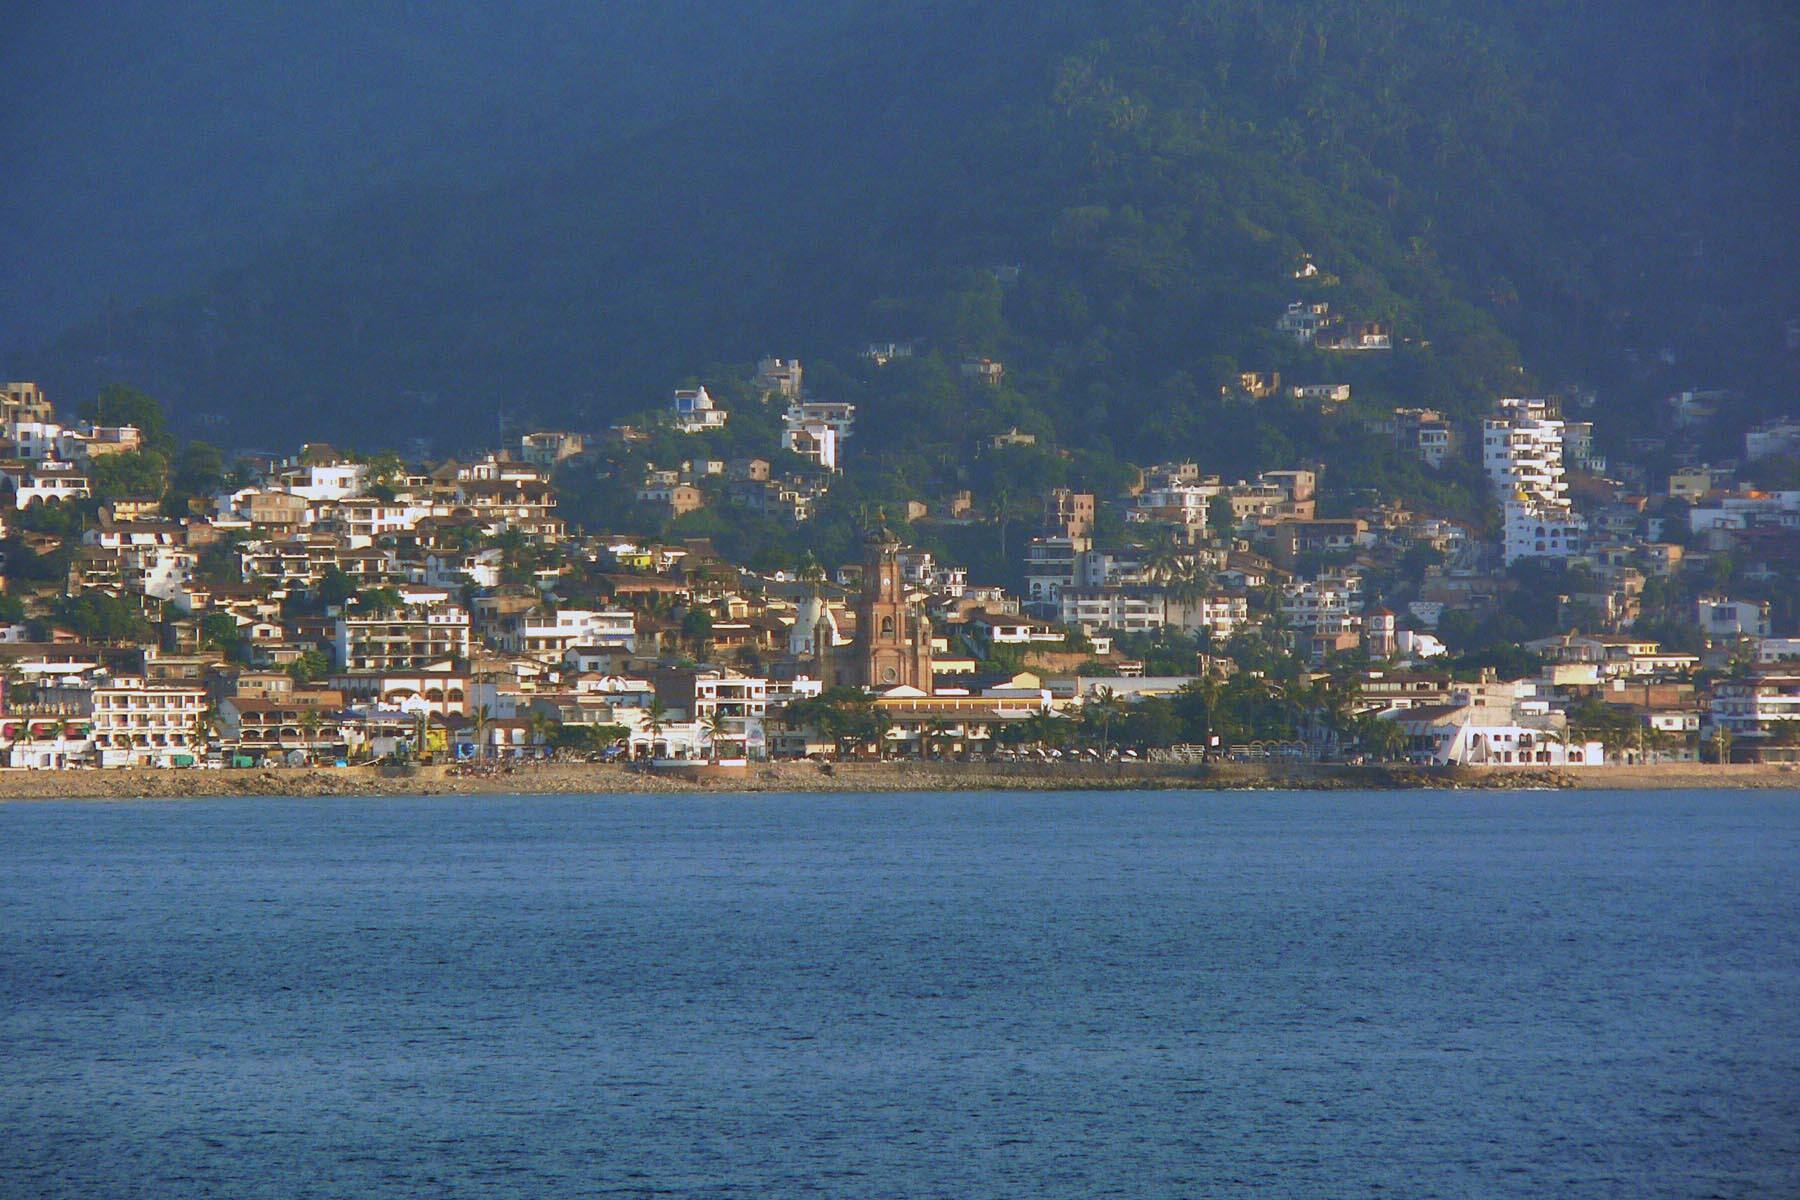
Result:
x=889 y=675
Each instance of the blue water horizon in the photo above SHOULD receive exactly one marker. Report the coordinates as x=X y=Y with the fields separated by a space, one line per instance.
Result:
x=995 y=994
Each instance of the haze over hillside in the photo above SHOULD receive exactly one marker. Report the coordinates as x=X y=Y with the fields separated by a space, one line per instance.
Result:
x=1527 y=193
x=153 y=143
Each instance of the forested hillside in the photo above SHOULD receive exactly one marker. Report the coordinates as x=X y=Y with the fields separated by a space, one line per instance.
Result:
x=1529 y=193
x=151 y=144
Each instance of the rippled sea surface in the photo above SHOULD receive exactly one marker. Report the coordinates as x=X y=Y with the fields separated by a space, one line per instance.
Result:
x=1264 y=994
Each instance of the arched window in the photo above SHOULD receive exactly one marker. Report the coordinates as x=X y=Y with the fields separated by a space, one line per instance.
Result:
x=887 y=627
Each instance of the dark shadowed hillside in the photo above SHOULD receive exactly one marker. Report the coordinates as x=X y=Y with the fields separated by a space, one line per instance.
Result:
x=151 y=144
x=1526 y=194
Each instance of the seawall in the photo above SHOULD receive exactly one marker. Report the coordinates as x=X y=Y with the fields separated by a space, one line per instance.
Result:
x=557 y=778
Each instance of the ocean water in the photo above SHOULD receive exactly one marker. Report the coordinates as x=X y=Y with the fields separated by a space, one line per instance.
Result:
x=1141 y=995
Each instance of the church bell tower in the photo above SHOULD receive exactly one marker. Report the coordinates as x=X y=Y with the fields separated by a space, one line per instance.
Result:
x=893 y=636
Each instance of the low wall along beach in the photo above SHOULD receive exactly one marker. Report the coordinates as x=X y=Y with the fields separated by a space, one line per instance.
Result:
x=856 y=777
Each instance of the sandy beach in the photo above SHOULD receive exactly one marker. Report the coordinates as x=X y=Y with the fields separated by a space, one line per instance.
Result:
x=858 y=777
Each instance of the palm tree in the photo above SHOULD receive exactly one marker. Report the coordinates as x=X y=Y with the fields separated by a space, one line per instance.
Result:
x=310 y=722
x=543 y=727
x=206 y=724
x=656 y=719
x=1384 y=737
x=718 y=729
x=929 y=736
x=483 y=715
x=1104 y=706
x=1162 y=557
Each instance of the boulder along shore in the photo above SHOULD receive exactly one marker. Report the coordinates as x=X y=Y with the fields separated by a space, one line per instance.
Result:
x=585 y=778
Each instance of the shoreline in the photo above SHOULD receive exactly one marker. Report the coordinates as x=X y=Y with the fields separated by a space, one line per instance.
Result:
x=599 y=779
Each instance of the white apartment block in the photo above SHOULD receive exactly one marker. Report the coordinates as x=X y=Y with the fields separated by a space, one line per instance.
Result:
x=1771 y=438
x=817 y=429
x=33 y=440
x=160 y=571
x=1312 y=604
x=1050 y=566
x=364 y=520
x=1754 y=708
x=1778 y=650
x=325 y=481
x=1127 y=610
x=1721 y=617
x=1522 y=451
x=814 y=441
x=1181 y=504
x=89 y=442
x=410 y=639
x=137 y=725
x=548 y=637
x=835 y=413
x=1221 y=615
x=742 y=701
x=452 y=568
x=1541 y=531
x=1304 y=319
x=48 y=482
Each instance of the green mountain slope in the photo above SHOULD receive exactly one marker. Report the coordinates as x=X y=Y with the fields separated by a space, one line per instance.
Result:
x=1526 y=195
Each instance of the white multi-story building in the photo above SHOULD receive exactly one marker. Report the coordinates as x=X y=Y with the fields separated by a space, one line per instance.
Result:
x=1472 y=732
x=139 y=725
x=34 y=440
x=88 y=442
x=817 y=429
x=1180 y=504
x=1051 y=564
x=835 y=413
x=325 y=481
x=1221 y=614
x=160 y=571
x=1771 y=438
x=453 y=568
x=1304 y=319
x=1756 y=707
x=1534 y=530
x=46 y=482
x=1522 y=452
x=814 y=441
x=1721 y=617
x=1778 y=650
x=1310 y=604
x=365 y=519
x=695 y=411
x=549 y=636
x=1746 y=510
x=705 y=693
x=413 y=638
x=1127 y=610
